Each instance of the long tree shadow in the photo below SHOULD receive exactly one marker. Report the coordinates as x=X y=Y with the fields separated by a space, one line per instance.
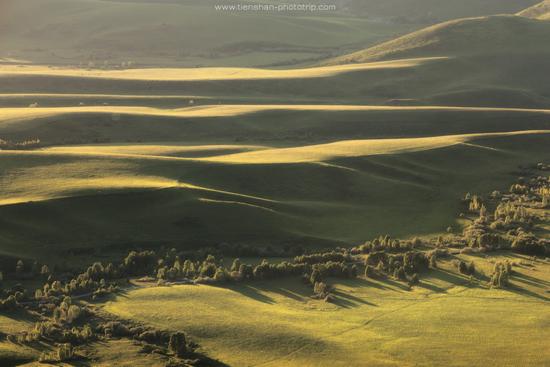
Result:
x=346 y=300
x=449 y=277
x=514 y=288
x=19 y=315
x=251 y=292
x=541 y=283
x=431 y=287
x=361 y=282
x=396 y=284
x=289 y=294
x=382 y=284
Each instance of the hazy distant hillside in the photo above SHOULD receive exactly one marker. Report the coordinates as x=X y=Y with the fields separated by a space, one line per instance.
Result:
x=539 y=11
x=193 y=32
x=496 y=60
x=436 y=10
x=463 y=37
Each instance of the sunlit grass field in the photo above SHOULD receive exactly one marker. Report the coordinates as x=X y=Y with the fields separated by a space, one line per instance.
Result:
x=334 y=193
x=374 y=323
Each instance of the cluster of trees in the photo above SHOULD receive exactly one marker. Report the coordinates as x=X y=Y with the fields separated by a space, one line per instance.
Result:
x=210 y=270
x=95 y=282
x=63 y=353
x=529 y=244
x=507 y=214
x=506 y=227
x=405 y=267
x=23 y=144
x=329 y=264
x=323 y=258
x=386 y=243
x=475 y=203
x=51 y=330
x=67 y=328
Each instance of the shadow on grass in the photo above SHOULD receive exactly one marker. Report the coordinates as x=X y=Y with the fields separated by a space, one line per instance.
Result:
x=514 y=288
x=251 y=292
x=431 y=287
x=289 y=293
x=449 y=277
x=346 y=300
x=19 y=315
x=382 y=284
x=536 y=282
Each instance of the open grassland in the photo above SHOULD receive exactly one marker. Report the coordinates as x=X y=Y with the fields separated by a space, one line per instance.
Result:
x=306 y=157
x=266 y=155
x=455 y=81
x=496 y=35
x=178 y=33
x=266 y=125
x=10 y=115
x=201 y=74
x=374 y=323
x=115 y=196
x=187 y=33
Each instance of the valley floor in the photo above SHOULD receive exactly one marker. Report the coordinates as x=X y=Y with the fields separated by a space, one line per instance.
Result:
x=447 y=320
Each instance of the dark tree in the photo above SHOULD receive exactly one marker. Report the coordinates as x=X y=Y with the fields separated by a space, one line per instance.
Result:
x=178 y=344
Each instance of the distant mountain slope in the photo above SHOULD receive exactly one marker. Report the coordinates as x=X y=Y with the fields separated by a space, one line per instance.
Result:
x=439 y=10
x=490 y=61
x=193 y=32
x=539 y=11
x=492 y=35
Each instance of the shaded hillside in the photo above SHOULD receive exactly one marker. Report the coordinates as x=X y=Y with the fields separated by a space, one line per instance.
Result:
x=490 y=61
x=495 y=35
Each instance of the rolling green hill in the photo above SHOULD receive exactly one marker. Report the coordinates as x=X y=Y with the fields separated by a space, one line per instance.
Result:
x=370 y=322
x=490 y=61
x=172 y=156
x=187 y=32
x=109 y=199
x=470 y=37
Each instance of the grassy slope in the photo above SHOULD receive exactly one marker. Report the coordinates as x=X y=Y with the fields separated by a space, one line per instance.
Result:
x=191 y=203
x=374 y=323
x=490 y=79
x=102 y=199
x=172 y=33
x=489 y=57
x=438 y=10
x=495 y=35
x=187 y=32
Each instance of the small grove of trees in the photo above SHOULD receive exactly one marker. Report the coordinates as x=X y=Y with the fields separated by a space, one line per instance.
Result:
x=63 y=353
x=30 y=143
x=332 y=256
x=386 y=243
x=501 y=274
x=527 y=243
x=403 y=267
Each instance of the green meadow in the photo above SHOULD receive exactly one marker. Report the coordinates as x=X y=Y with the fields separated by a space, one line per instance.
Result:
x=156 y=125
x=446 y=320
